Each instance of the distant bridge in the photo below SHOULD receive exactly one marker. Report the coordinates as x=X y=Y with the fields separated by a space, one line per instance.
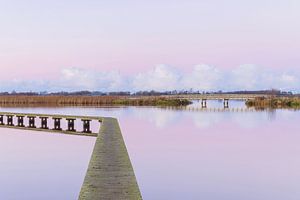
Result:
x=217 y=96
x=221 y=97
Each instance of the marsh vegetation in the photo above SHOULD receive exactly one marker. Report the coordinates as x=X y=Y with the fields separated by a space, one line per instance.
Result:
x=90 y=101
x=275 y=102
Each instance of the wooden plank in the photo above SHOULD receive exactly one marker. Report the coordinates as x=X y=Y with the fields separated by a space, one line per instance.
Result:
x=110 y=174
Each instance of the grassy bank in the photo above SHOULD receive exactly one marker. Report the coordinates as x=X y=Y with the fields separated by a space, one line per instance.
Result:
x=90 y=101
x=275 y=102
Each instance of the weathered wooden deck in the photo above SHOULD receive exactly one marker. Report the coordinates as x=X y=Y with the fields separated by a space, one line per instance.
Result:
x=110 y=174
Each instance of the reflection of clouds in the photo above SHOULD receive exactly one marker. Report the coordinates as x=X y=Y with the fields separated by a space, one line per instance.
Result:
x=113 y=112
x=206 y=120
x=245 y=120
x=84 y=111
x=288 y=114
x=160 y=118
x=249 y=120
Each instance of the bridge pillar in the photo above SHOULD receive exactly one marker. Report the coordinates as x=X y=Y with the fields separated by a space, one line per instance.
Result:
x=1 y=120
x=203 y=103
x=31 y=121
x=10 y=120
x=57 y=123
x=86 y=125
x=71 y=124
x=226 y=103
x=20 y=120
x=44 y=122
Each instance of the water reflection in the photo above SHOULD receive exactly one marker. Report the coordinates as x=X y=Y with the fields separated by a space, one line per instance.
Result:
x=157 y=117
x=218 y=104
x=163 y=117
x=181 y=154
x=37 y=165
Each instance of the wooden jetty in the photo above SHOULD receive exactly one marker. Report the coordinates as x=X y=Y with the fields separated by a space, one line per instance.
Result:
x=110 y=174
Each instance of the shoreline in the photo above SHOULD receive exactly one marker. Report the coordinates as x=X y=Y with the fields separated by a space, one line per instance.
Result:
x=260 y=102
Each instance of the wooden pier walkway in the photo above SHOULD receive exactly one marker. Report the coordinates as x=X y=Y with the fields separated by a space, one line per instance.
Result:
x=110 y=175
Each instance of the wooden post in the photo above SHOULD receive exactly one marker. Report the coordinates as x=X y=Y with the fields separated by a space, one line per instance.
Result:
x=1 y=120
x=31 y=121
x=57 y=123
x=226 y=103
x=203 y=103
x=10 y=120
x=71 y=124
x=86 y=125
x=20 y=120
x=44 y=122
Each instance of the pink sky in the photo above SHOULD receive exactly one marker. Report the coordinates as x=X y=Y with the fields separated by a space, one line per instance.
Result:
x=40 y=39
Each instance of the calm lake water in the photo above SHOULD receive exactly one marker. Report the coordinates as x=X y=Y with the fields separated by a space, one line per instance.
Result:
x=176 y=154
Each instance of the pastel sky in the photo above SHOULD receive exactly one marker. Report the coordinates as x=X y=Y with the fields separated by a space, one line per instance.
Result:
x=121 y=44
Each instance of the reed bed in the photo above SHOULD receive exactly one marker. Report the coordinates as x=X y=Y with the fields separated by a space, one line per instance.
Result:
x=275 y=102
x=89 y=101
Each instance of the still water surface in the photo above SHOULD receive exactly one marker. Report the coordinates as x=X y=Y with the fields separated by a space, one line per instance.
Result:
x=176 y=154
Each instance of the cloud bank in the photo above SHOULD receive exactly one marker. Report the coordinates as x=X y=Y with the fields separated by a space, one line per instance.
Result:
x=162 y=77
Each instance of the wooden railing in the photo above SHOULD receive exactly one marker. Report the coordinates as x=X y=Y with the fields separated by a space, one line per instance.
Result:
x=42 y=122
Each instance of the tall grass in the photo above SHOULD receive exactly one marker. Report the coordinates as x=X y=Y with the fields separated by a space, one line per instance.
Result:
x=89 y=101
x=275 y=102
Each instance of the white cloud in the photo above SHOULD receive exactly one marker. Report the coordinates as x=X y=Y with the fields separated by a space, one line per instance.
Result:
x=24 y=85
x=162 y=78
x=73 y=79
x=253 y=77
x=289 y=82
x=247 y=77
x=202 y=77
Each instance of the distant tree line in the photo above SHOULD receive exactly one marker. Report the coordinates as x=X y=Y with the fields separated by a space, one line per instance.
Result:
x=143 y=93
